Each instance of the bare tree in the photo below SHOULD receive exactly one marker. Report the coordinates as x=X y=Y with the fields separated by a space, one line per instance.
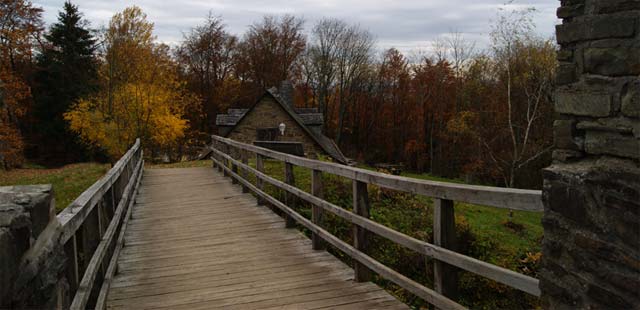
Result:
x=206 y=55
x=340 y=56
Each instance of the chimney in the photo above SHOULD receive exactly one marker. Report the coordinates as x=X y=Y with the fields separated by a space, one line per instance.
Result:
x=286 y=92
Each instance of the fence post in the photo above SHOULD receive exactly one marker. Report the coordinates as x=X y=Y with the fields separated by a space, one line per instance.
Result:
x=259 y=181
x=289 y=198
x=361 y=235
x=224 y=160
x=245 y=173
x=234 y=167
x=316 y=212
x=445 y=276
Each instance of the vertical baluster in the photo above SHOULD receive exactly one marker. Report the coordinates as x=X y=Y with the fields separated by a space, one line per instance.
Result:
x=316 y=212
x=259 y=181
x=444 y=235
x=361 y=235
x=245 y=173
x=289 y=198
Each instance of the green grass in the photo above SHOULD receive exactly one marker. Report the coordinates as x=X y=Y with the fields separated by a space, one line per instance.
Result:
x=68 y=181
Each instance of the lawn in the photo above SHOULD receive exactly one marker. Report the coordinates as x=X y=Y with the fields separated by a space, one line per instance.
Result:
x=68 y=181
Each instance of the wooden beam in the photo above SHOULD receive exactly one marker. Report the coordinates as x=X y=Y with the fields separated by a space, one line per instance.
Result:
x=289 y=178
x=444 y=235
x=361 y=237
x=245 y=172
x=259 y=182
x=316 y=211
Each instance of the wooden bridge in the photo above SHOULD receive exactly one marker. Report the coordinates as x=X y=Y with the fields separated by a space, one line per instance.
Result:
x=200 y=238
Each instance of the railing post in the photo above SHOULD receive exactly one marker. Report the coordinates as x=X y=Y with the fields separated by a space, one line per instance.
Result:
x=234 y=167
x=245 y=173
x=316 y=212
x=224 y=160
x=289 y=198
x=361 y=235
x=259 y=181
x=445 y=276
x=73 y=270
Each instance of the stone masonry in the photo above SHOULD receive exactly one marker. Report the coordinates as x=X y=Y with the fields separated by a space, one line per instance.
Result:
x=32 y=263
x=591 y=247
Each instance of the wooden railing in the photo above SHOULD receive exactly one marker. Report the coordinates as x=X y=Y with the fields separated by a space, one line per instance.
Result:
x=89 y=226
x=225 y=153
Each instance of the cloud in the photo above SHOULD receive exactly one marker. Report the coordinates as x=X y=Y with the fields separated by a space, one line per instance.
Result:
x=407 y=25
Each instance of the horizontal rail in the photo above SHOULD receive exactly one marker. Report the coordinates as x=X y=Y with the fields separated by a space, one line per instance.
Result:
x=101 y=302
x=427 y=294
x=86 y=285
x=508 y=198
x=74 y=215
x=496 y=273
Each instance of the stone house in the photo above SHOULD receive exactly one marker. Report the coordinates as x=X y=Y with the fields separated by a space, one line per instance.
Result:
x=262 y=123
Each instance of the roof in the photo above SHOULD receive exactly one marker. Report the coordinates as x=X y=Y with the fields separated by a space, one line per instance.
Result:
x=304 y=120
x=309 y=117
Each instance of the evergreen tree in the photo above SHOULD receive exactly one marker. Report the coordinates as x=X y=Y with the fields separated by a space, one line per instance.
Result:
x=68 y=71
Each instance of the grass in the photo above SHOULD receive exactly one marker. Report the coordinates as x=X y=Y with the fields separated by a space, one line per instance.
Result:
x=68 y=181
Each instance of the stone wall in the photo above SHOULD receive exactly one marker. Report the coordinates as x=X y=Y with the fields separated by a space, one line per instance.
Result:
x=32 y=263
x=269 y=114
x=591 y=256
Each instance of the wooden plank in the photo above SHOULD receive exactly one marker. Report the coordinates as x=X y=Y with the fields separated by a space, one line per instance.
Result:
x=508 y=277
x=508 y=198
x=445 y=276
x=289 y=178
x=361 y=238
x=218 y=259
x=316 y=212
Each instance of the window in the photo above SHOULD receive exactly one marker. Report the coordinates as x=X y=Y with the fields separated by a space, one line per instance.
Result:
x=267 y=134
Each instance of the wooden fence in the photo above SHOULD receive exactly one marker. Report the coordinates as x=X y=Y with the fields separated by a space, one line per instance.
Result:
x=229 y=156
x=90 y=225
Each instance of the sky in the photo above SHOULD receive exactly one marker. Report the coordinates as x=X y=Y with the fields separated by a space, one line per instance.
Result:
x=408 y=25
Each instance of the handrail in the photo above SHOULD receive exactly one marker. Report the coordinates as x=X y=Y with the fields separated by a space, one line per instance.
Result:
x=438 y=252
x=90 y=223
x=508 y=198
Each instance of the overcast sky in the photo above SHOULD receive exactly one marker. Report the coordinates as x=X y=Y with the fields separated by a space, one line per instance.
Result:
x=408 y=25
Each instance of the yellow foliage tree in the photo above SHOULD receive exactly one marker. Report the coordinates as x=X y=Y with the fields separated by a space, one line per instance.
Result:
x=141 y=94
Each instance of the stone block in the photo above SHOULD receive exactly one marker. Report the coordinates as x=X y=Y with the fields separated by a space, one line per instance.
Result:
x=570 y=11
x=621 y=125
x=631 y=99
x=613 y=6
x=607 y=298
x=612 y=143
x=566 y=155
x=566 y=74
x=564 y=135
x=8 y=266
x=617 y=61
x=596 y=27
x=583 y=103
x=36 y=200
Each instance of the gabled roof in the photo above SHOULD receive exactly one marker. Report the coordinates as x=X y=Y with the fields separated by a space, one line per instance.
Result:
x=309 y=116
x=323 y=141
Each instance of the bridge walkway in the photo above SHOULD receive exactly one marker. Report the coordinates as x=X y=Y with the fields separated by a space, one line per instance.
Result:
x=195 y=241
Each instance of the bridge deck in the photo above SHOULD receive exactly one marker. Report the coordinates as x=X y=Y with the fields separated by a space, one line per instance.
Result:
x=195 y=241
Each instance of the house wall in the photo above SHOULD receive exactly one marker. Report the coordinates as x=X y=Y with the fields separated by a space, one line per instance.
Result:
x=268 y=113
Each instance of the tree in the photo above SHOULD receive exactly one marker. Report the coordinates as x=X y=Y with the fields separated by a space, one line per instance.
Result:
x=269 y=49
x=67 y=72
x=526 y=66
x=20 y=27
x=140 y=95
x=206 y=57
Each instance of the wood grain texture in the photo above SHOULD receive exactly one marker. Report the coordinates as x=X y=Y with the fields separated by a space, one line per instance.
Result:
x=194 y=241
